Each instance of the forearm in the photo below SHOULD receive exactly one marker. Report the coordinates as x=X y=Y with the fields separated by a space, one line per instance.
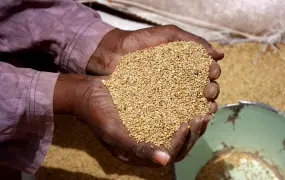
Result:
x=29 y=100
x=67 y=31
x=26 y=118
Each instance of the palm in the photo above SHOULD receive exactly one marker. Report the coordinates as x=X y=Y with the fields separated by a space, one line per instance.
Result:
x=107 y=125
x=103 y=117
x=118 y=43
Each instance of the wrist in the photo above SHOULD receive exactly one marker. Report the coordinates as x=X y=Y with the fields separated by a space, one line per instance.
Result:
x=105 y=53
x=67 y=91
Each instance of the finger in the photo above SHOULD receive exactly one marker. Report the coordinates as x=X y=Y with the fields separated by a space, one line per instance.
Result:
x=136 y=161
x=147 y=151
x=118 y=153
x=212 y=91
x=127 y=158
x=207 y=119
x=194 y=134
x=133 y=153
x=214 y=71
x=214 y=107
x=213 y=52
x=139 y=154
x=204 y=128
x=178 y=139
x=115 y=136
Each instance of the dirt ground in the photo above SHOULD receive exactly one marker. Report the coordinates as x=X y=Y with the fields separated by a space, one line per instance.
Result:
x=249 y=72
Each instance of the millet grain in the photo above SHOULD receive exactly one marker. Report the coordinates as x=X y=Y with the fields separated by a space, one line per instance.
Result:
x=157 y=89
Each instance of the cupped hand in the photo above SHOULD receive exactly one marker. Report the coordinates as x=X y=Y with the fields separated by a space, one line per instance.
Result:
x=118 y=42
x=91 y=102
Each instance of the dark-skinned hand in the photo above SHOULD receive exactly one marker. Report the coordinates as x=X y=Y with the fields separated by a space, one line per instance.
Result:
x=89 y=100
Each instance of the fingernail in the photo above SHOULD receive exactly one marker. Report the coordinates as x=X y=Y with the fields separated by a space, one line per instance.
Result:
x=217 y=50
x=161 y=157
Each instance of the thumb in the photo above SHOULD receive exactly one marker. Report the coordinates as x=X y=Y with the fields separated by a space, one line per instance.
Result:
x=161 y=157
x=149 y=151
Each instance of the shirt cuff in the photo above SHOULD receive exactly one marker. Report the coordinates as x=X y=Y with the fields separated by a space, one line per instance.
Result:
x=40 y=119
x=83 y=45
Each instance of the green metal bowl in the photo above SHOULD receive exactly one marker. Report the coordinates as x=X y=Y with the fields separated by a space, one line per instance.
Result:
x=245 y=141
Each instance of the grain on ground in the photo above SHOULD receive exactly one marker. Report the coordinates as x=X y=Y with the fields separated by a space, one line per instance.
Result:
x=248 y=73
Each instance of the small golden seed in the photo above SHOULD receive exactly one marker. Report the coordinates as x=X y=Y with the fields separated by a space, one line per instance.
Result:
x=157 y=89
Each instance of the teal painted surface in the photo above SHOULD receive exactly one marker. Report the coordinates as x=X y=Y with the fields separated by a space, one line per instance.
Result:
x=256 y=129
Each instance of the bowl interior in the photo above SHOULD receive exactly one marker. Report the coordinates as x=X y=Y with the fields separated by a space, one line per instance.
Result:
x=246 y=141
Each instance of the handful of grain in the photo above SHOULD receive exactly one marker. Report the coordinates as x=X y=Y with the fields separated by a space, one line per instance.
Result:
x=157 y=89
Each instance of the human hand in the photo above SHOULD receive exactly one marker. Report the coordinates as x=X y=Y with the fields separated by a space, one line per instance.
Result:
x=118 y=42
x=89 y=100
